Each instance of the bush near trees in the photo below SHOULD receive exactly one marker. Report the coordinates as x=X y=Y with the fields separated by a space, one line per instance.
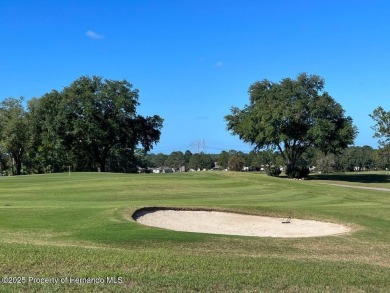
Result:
x=273 y=171
x=299 y=170
x=291 y=116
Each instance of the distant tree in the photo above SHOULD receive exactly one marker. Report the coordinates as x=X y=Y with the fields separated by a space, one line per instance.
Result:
x=159 y=160
x=223 y=159
x=149 y=160
x=187 y=157
x=326 y=164
x=175 y=160
x=263 y=159
x=382 y=132
x=206 y=161
x=200 y=161
x=292 y=116
x=312 y=155
x=194 y=162
x=269 y=158
x=381 y=158
x=139 y=160
x=366 y=157
x=236 y=163
x=15 y=132
x=382 y=126
x=345 y=161
x=254 y=160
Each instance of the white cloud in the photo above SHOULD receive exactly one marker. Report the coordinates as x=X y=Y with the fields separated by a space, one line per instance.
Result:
x=94 y=35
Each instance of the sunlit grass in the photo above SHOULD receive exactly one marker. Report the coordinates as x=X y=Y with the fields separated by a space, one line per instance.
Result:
x=60 y=226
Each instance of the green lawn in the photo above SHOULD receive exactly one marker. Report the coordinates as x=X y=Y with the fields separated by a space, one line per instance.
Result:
x=61 y=227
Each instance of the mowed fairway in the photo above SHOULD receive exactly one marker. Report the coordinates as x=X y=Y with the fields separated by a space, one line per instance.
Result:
x=61 y=227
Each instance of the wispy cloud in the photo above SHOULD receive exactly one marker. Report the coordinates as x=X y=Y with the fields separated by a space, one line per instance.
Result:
x=219 y=64
x=94 y=35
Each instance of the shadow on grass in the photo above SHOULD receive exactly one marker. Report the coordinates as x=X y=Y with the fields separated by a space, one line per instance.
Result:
x=361 y=177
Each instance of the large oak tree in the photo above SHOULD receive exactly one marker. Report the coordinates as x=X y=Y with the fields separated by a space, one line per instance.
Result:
x=100 y=115
x=292 y=116
x=90 y=123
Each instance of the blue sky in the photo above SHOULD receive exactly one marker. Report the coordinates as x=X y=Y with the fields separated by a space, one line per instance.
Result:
x=193 y=60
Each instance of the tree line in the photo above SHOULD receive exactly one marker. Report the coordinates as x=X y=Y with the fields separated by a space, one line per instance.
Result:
x=91 y=125
x=353 y=158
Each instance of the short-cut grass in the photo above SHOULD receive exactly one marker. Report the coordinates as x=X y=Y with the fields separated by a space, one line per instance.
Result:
x=56 y=226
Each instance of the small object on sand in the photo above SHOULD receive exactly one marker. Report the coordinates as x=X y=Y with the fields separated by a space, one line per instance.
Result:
x=287 y=221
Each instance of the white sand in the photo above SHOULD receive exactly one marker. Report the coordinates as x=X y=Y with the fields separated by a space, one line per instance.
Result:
x=237 y=224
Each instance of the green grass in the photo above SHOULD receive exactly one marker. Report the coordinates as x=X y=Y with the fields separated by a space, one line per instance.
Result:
x=55 y=226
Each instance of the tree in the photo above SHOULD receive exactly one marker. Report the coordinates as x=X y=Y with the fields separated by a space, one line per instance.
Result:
x=382 y=132
x=98 y=117
x=159 y=160
x=4 y=160
x=187 y=158
x=382 y=126
x=326 y=164
x=15 y=131
x=223 y=159
x=175 y=160
x=200 y=161
x=236 y=163
x=292 y=116
x=44 y=115
x=381 y=158
x=194 y=162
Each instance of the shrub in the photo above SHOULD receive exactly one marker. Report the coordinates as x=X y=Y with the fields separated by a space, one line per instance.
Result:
x=273 y=171
x=297 y=171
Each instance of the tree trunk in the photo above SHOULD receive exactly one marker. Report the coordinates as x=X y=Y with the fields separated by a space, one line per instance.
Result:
x=18 y=166
x=102 y=167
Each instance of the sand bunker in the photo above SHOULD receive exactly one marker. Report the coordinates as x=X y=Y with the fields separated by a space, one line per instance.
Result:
x=214 y=222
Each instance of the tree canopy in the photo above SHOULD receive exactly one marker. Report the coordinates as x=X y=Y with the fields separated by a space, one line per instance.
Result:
x=89 y=125
x=100 y=115
x=382 y=131
x=292 y=116
x=382 y=126
x=15 y=130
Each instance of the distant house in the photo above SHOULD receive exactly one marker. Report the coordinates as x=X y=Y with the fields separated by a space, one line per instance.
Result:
x=216 y=167
x=163 y=170
x=141 y=170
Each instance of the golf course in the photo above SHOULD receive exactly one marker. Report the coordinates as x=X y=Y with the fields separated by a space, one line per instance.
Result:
x=75 y=233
